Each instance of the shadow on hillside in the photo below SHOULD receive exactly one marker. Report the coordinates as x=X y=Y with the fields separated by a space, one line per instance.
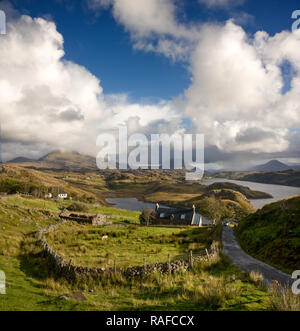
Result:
x=32 y=260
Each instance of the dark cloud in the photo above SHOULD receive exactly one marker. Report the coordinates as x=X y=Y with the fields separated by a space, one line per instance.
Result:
x=70 y=115
x=252 y=135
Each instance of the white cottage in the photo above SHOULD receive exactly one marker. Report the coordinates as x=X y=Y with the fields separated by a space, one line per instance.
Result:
x=62 y=196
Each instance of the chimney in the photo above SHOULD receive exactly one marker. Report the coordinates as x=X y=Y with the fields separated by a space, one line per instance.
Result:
x=156 y=207
x=194 y=209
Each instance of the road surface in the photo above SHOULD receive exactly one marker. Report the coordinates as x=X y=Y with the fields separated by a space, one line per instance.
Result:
x=247 y=263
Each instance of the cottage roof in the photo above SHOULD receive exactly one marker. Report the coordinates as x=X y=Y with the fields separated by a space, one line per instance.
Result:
x=166 y=213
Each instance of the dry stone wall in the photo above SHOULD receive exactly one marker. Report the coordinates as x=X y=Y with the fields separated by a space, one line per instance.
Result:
x=72 y=272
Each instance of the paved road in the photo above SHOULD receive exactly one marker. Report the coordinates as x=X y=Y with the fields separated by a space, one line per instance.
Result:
x=247 y=263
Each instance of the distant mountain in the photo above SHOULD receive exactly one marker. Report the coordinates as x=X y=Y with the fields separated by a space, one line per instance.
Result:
x=59 y=161
x=71 y=161
x=21 y=159
x=273 y=165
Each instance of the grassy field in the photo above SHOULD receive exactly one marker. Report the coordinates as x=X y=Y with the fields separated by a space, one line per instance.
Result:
x=272 y=234
x=84 y=245
x=33 y=285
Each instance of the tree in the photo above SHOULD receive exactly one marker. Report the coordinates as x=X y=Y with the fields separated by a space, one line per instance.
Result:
x=147 y=216
x=213 y=208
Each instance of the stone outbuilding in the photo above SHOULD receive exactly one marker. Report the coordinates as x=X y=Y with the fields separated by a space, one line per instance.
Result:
x=97 y=219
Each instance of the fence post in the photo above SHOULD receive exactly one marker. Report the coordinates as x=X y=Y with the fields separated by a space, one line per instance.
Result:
x=145 y=264
x=115 y=266
x=169 y=263
x=207 y=253
x=191 y=258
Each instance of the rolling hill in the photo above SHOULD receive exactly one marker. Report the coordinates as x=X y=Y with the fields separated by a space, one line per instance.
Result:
x=80 y=186
x=288 y=178
x=59 y=161
x=272 y=234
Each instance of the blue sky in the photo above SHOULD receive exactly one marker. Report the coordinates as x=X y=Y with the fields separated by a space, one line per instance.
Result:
x=228 y=69
x=97 y=42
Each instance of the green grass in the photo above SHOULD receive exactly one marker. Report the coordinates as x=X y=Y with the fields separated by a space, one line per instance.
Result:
x=33 y=203
x=118 y=215
x=128 y=246
x=33 y=285
x=272 y=234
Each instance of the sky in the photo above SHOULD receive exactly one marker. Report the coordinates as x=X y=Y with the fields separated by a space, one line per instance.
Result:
x=70 y=70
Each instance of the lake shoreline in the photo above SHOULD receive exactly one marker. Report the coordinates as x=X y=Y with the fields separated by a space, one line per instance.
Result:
x=278 y=192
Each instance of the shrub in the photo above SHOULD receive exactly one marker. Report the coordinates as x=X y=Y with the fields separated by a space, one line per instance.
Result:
x=282 y=299
x=79 y=207
x=256 y=276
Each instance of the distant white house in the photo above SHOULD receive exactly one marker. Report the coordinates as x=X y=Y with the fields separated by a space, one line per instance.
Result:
x=48 y=196
x=62 y=196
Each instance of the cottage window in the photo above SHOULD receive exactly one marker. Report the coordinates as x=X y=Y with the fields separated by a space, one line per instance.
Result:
x=183 y=217
x=162 y=215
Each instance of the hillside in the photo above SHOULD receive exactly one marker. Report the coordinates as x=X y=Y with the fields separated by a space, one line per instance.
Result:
x=16 y=179
x=273 y=165
x=219 y=200
x=272 y=234
x=33 y=284
x=223 y=204
x=59 y=161
x=288 y=178
x=246 y=191
x=70 y=161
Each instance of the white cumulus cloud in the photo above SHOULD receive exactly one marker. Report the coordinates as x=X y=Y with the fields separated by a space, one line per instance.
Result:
x=236 y=96
x=47 y=102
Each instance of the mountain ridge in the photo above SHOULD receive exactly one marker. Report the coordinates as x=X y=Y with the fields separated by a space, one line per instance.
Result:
x=273 y=165
x=58 y=160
